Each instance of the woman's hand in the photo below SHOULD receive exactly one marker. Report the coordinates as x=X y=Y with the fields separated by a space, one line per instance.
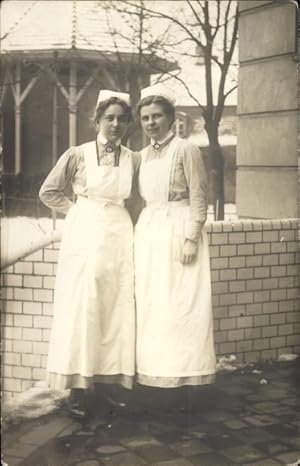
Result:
x=189 y=252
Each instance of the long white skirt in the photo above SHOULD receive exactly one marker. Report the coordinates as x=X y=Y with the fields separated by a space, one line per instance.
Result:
x=174 y=315
x=93 y=333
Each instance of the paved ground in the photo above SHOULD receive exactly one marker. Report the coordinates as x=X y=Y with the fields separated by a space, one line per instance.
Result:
x=249 y=417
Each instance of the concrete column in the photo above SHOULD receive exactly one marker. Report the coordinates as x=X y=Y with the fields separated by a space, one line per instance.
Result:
x=267 y=110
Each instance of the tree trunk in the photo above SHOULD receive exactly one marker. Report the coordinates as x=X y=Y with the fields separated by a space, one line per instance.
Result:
x=217 y=173
x=218 y=181
x=137 y=80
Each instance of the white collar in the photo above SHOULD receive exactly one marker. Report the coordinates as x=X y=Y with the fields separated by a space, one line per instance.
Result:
x=161 y=141
x=102 y=139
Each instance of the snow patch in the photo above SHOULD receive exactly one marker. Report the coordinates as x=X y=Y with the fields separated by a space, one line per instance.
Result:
x=33 y=403
x=263 y=382
x=288 y=357
x=227 y=363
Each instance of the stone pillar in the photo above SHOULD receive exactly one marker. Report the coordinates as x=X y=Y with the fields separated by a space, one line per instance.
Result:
x=267 y=110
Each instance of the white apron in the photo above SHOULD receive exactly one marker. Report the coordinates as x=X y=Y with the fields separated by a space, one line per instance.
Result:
x=93 y=333
x=174 y=316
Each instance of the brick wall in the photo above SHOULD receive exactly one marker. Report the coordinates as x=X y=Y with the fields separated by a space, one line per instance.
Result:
x=255 y=299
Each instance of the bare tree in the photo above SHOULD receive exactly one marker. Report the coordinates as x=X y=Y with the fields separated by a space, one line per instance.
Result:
x=210 y=27
x=129 y=27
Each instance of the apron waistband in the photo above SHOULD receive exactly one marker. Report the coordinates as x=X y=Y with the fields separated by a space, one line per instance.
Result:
x=160 y=205
x=100 y=201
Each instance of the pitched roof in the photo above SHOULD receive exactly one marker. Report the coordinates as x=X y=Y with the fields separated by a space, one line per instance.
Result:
x=63 y=24
x=41 y=27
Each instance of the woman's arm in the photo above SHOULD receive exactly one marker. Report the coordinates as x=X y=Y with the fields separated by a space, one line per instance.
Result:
x=196 y=177
x=53 y=190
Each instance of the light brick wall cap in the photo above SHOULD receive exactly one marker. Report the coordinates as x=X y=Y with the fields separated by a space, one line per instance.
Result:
x=244 y=225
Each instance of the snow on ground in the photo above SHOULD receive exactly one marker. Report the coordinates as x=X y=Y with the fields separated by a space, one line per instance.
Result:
x=33 y=403
x=19 y=233
x=230 y=213
x=40 y=400
x=288 y=357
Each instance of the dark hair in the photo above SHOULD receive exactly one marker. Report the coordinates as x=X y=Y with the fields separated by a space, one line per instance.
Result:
x=167 y=107
x=112 y=101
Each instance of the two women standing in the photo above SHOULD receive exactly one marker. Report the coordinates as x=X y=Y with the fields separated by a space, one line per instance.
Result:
x=98 y=335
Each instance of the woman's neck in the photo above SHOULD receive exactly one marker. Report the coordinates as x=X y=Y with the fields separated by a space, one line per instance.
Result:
x=103 y=140
x=165 y=138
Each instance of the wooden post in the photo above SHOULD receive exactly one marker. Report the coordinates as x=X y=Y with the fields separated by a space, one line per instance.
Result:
x=54 y=141
x=4 y=86
x=73 y=103
x=18 y=119
x=19 y=99
x=54 y=126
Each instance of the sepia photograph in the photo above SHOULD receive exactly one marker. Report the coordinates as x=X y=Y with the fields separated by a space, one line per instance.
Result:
x=150 y=232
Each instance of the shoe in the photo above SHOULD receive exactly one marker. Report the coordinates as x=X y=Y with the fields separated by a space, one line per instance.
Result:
x=108 y=399
x=77 y=404
x=114 y=403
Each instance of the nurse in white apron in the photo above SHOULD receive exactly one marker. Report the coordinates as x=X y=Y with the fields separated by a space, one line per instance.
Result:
x=175 y=345
x=93 y=332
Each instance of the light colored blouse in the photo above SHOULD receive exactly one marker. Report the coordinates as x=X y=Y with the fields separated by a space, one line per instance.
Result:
x=69 y=176
x=188 y=180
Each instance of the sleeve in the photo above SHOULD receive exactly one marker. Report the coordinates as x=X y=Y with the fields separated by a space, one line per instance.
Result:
x=196 y=177
x=53 y=190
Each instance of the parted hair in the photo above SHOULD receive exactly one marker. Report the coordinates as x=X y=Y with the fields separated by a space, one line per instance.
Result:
x=167 y=107
x=112 y=101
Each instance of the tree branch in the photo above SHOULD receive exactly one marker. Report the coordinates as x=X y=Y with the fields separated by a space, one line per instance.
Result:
x=218 y=17
x=113 y=39
x=226 y=27
x=170 y=18
x=207 y=59
x=227 y=59
x=217 y=27
x=234 y=35
x=229 y=92
x=195 y=12
x=168 y=73
x=4 y=36
x=200 y=3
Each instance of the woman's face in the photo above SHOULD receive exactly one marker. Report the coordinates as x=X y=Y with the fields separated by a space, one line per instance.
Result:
x=155 y=122
x=113 y=123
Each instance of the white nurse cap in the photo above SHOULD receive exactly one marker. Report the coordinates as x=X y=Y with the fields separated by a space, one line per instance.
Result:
x=106 y=94
x=159 y=90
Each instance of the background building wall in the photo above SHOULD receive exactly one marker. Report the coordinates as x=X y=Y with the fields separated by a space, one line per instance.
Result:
x=267 y=110
x=255 y=291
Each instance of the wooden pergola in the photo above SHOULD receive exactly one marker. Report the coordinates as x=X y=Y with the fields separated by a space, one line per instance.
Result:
x=22 y=47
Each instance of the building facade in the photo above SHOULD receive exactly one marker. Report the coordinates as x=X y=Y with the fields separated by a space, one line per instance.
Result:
x=267 y=110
